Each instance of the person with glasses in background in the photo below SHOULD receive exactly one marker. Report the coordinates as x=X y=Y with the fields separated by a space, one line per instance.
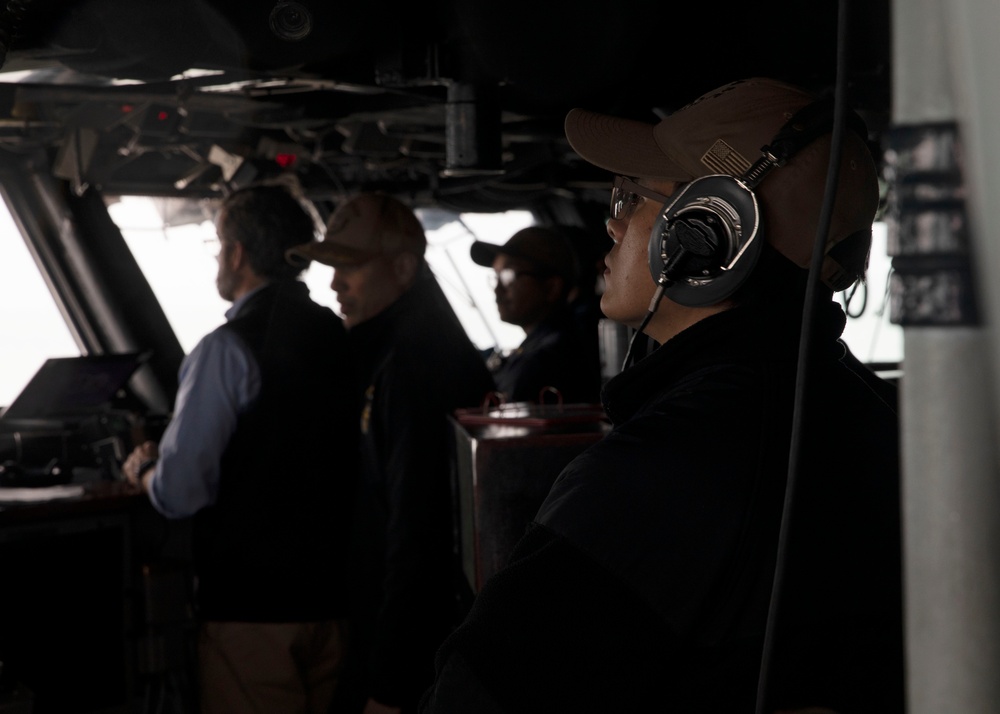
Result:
x=733 y=544
x=535 y=280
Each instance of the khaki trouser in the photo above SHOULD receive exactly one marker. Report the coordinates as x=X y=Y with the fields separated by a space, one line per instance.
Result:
x=273 y=668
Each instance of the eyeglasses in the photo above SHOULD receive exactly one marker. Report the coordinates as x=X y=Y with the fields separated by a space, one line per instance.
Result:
x=625 y=197
x=507 y=276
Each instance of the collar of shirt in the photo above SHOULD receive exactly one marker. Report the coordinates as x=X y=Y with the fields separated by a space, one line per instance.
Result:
x=234 y=309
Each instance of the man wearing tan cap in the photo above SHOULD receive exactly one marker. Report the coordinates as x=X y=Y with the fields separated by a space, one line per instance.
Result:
x=535 y=274
x=415 y=366
x=733 y=544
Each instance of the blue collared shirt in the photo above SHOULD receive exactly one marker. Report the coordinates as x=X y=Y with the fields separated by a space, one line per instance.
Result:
x=218 y=381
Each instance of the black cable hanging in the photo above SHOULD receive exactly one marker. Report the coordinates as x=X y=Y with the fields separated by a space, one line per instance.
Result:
x=804 y=357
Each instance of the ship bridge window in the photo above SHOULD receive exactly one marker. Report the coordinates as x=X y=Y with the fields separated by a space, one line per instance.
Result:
x=31 y=327
x=869 y=333
x=171 y=237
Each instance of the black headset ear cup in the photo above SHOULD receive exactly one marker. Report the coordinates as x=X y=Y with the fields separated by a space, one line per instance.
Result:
x=716 y=221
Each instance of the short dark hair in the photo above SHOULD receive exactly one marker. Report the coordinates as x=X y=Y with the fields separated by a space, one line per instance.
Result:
x=267 y=220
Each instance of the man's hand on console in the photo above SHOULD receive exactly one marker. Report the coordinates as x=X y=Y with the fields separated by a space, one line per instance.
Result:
x=139 y=466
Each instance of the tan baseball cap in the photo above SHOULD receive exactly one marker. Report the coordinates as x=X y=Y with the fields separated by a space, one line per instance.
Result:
x=723 y=132
x=364 y=227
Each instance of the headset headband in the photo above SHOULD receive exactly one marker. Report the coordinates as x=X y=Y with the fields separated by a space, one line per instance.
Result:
x=806 y=125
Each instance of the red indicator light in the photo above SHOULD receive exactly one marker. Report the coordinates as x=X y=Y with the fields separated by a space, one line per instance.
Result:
x=126 y=108
x=162 y=116
x=285 y=160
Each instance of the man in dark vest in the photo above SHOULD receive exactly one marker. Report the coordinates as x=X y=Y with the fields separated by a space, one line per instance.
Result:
x=264 y=401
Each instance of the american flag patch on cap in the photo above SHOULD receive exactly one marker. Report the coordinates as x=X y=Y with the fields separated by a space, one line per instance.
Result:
x=721 y=158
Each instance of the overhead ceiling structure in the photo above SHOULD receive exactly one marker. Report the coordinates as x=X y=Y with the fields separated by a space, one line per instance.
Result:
x=453 y=103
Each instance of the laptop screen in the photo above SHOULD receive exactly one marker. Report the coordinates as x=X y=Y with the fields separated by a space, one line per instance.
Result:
x=69 y=387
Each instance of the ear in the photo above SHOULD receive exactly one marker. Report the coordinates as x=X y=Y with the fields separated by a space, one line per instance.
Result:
x=573 y=294
x=237 y=255
x=555 y=285
x=405 y=266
